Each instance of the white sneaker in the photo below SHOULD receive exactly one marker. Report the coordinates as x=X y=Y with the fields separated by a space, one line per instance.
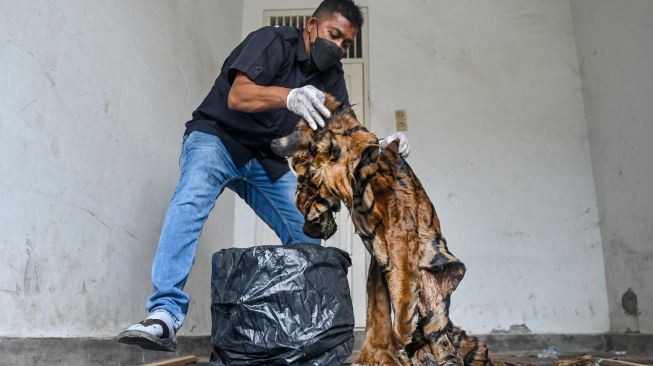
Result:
x=156 y=332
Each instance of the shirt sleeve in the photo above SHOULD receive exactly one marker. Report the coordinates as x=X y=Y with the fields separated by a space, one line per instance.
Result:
x=260 y=56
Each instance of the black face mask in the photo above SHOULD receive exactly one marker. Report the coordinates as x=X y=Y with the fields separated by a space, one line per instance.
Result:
x=324 y=54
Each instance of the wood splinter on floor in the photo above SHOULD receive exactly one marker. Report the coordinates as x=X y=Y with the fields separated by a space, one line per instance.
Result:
x=179 y=361
x=588 y=360
x=611 y=362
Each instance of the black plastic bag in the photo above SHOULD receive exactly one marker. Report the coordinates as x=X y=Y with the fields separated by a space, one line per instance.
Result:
x=281 y=305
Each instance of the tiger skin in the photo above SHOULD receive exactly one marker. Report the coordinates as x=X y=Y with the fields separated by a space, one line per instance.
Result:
x=411 y=271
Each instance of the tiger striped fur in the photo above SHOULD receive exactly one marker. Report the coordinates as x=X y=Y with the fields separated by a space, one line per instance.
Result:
x=412 y=273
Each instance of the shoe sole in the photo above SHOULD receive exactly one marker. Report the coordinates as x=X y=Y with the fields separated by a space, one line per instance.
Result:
x=147 y=341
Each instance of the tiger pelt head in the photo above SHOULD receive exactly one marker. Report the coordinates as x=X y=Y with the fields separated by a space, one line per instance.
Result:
x=324 y=161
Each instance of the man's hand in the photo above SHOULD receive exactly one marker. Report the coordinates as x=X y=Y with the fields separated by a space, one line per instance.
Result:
x=308 y=102
x=404 y=147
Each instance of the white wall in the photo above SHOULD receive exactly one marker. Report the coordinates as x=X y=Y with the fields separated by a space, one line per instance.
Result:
x=497 y=125
x=616 y=55
x=94 y=96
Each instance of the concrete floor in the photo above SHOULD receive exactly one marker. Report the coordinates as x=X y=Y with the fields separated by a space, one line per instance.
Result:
x=522 y=349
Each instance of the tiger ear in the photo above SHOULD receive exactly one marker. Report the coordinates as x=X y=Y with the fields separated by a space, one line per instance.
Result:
x=337 y=111
x=331 y=103
x=393 y=146
x=287 y=146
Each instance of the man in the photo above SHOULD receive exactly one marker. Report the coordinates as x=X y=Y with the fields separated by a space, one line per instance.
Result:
x=276 y=76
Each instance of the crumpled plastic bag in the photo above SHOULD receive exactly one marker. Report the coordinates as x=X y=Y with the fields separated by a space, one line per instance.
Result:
x=281 y=305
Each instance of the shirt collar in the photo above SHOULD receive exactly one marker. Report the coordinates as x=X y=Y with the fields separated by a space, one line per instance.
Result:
x=302 y=56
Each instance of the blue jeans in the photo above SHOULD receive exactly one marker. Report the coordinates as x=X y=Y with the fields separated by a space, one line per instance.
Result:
x=206 y=169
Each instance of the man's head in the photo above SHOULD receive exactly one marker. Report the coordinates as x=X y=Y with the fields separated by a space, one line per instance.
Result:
x=335 y=21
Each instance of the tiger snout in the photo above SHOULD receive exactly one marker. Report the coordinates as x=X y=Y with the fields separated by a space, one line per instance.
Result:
x=321 y=227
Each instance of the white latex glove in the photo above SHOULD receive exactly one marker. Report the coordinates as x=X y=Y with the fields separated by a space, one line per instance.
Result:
x=308 y=102
x=404 y=147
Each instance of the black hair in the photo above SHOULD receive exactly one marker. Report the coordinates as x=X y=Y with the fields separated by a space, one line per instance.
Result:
x=346 y=8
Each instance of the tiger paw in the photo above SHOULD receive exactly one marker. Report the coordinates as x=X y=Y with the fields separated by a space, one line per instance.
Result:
x=378 y=357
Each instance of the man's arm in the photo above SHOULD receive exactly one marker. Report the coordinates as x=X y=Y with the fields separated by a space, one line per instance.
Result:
x=246 y=96
x=308 y=102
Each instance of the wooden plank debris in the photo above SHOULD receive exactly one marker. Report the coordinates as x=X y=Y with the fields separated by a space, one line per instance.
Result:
x=179 y=361
x=613 y=362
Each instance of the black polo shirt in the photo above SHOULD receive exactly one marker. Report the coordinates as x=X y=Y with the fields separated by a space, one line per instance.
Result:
x=269 y=56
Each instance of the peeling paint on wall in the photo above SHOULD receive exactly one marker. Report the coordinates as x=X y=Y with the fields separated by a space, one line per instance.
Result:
x=629 y=305
x=32 y=274
x=512 y=330
x=13 y=266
